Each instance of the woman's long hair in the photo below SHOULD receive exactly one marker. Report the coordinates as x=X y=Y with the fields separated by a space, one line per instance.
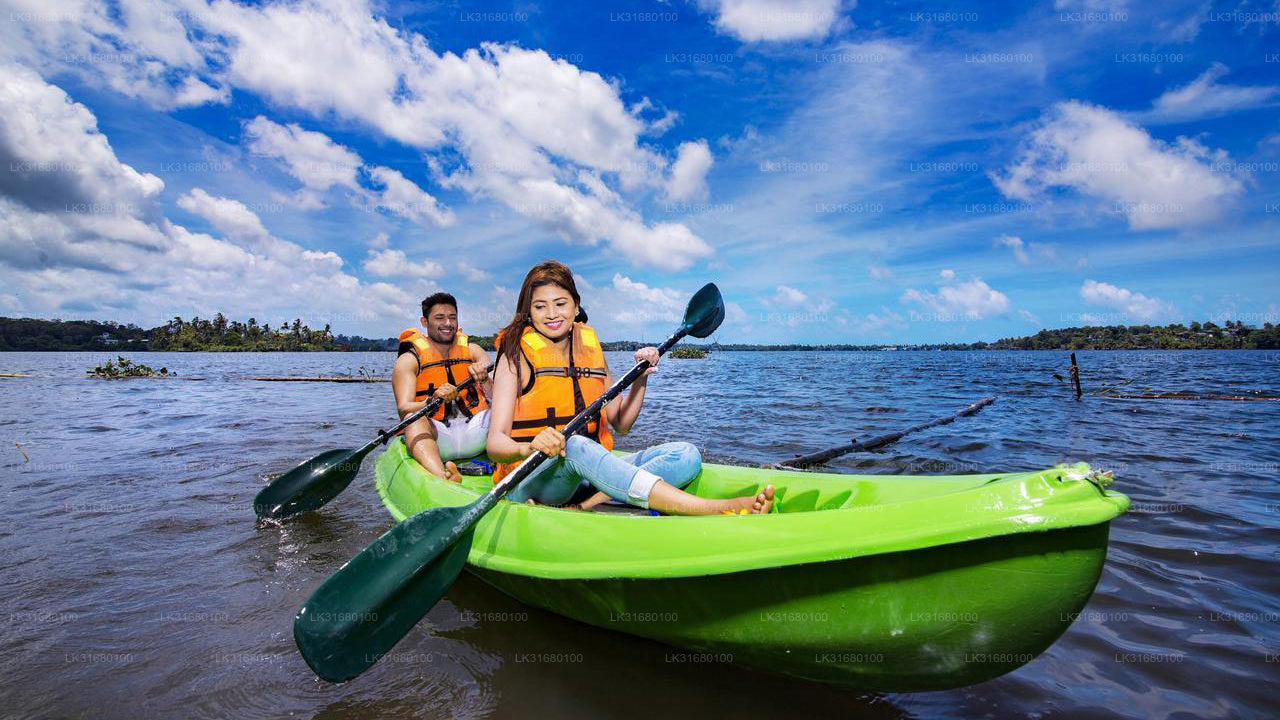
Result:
x=548 y=272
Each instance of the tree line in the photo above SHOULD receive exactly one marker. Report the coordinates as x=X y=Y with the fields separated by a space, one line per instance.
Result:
x=217 y=334
x=221 y=334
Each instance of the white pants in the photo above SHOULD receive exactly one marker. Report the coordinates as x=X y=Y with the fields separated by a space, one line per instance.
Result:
x=462 y=437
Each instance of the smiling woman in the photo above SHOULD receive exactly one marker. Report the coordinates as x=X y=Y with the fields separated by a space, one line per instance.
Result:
x=550 y=368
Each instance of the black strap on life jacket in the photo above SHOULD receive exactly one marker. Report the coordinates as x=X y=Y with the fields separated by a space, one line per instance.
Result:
x=466 y=400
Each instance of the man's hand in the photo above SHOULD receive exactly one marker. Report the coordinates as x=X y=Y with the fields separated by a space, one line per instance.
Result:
x=479 y=371
x=448 y=393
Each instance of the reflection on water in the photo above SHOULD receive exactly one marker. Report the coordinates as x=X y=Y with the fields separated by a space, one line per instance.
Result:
x=137 y=582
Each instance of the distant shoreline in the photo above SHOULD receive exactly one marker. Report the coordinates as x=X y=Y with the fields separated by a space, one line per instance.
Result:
x=223 y=335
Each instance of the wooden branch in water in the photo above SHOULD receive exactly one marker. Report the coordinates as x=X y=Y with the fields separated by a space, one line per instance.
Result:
x=1075 y=375
x=879 y=441
x=323 y=379
x=1186 y=396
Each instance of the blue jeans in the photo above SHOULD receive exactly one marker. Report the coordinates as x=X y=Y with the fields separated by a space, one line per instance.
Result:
x=626 y=478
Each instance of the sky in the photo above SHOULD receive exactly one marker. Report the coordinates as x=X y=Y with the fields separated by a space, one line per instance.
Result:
x=868 y=173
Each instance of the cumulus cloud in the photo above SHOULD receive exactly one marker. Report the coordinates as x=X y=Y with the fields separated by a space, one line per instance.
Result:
x=774 y=20
x=498 y=121
x=319 y=163
x=971 y=300
x=688 y=179
x=1205 y=97
x=394 y=263
x=788 y=295
x=629 y=304
x=84 y=255
x=1025 y=253
x=1098 y=153
x=1134 y=305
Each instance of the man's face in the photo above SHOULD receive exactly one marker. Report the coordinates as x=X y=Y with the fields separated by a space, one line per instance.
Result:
x=442 y=323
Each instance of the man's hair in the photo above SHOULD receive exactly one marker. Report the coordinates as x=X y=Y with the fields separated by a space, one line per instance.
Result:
x=440 y=298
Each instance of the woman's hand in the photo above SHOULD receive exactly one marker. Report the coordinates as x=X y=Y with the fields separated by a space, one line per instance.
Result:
x=448 y=393
x=479 y=371
x=549 y=442
x=650 y=354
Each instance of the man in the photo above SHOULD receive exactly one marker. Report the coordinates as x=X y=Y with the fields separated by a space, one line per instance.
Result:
x=433 y=366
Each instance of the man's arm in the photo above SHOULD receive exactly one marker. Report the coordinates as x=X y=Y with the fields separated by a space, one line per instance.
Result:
x=480 y=358
x=404 y=384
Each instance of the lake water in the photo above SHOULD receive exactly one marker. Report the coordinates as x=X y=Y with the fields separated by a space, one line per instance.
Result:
x=136 y=582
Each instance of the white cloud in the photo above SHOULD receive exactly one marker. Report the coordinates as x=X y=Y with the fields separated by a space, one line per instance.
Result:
x=1204 y=97
x=626 y=305
x=1014 y=243
x=310 y=157
x=394 y=263
x=688 y=179
x=972 y=300
x=473 y=274
x=774 y=20
x=879 y=323
x=1091 y=5
x=1135 y=305
x=947 y=274
x=82 y=232
x=1026 y=253
x=788 y=295
x=230 y=217
x=1030 y=317
x=403 y=197
x=1100 y=154
x=523 y=124
x=319 y=163
x=879 y=272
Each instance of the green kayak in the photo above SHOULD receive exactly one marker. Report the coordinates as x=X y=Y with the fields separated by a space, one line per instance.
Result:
x=890 y=583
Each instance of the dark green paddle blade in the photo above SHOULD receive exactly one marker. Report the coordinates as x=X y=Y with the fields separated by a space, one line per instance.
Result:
x=364 y=609
x=705 y=311
x=310 y=485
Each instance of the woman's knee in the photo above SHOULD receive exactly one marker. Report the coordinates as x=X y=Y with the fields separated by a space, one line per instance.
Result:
x=687 y=452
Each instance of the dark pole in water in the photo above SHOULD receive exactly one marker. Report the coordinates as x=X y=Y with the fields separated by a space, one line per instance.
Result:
x=1075 y=375
x=879 y=441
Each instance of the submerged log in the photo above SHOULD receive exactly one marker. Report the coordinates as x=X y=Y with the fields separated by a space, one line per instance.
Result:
x=879 y=441
x=323 y=379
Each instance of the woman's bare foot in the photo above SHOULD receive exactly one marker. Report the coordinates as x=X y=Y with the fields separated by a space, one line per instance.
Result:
x=759 y=504
x=451 y=472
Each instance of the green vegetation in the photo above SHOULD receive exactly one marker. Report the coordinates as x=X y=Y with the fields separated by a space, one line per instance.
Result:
x=1233 y=335
x=689 y=352
x=218 y=334
x=30 y=334
x=126 y=368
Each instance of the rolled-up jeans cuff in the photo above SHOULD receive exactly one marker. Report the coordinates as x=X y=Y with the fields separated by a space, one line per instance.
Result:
x=641 y=485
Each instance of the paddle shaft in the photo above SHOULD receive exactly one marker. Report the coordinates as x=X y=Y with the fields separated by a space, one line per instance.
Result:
x=478 y=508
x=384 y=436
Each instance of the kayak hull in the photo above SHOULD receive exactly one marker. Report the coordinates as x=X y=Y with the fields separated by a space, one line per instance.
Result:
x=878 y=583
x=904 y=622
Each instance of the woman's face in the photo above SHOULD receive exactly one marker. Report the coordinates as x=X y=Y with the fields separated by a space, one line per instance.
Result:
x=552 y=311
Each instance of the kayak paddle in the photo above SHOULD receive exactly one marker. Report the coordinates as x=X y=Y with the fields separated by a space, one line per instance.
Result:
x=365 y=608
x=320 y=479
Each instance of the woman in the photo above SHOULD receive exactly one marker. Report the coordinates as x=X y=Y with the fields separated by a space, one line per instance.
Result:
x=550 y=368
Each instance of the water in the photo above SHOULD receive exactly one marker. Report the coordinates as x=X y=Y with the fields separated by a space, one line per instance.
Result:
x=138 y=584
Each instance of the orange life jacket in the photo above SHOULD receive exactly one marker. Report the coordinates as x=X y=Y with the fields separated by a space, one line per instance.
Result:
x=559 y=388
x=434 y=371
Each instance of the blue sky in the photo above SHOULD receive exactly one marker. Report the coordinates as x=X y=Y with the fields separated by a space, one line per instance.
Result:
x=862 y=173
